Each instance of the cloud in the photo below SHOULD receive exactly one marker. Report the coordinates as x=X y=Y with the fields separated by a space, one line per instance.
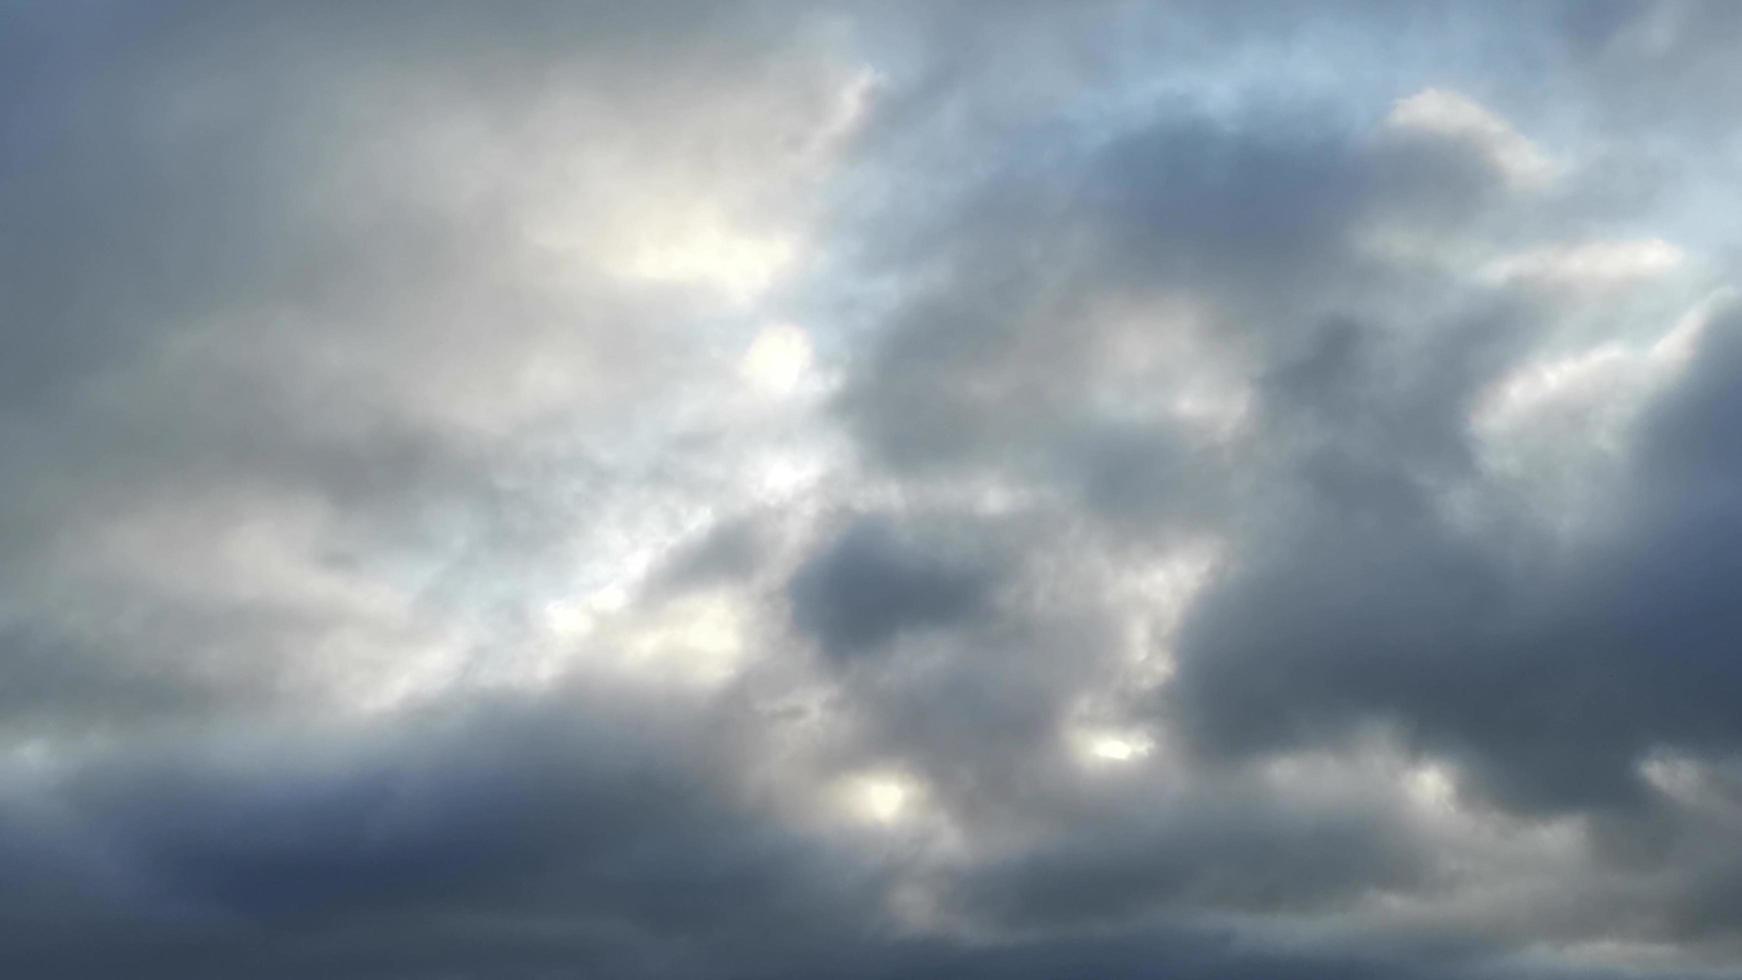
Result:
x=1449 y=116
x=868 y=586
x=698 y=491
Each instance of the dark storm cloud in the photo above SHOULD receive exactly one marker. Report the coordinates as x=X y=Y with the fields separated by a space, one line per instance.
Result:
x=1208 y=854
x=1552 y=673
x=1240 y=467
x=468 y=828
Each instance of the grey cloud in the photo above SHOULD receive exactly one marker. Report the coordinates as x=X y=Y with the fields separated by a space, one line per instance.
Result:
x=1554 y=674
x=993 y=360
x=869 y=584
x=404 y=577
x=1189 y=245
x=474 y=816
x=729 y=551
x=1227 y=854
x=240 y=289
x=1364 y=590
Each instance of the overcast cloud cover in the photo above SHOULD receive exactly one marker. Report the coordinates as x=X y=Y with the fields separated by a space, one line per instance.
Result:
x=1031 y=490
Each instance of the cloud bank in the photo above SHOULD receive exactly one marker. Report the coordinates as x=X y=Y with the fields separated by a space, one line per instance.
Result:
x=884 y=490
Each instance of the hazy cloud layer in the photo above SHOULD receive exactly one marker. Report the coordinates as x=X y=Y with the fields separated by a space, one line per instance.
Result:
x=884 y=490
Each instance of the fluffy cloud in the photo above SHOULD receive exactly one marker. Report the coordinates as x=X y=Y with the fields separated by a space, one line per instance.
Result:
x=767 y=491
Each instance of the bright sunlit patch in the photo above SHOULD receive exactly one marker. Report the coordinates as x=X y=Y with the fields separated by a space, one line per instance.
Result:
x=1611 y=375
x=884 y=800
x=571 y=619
x=778 y=360
x=709 y=626
x=696 y=641
x=880 y=798
x=1118 y=748
x=1672 y=350
x=1595 y=263
x=705 y=250
x=1430 y=787
x=1675 y=776
x=780 y=475
x=1103 y=745
x=1533 y=387
x=567 y=620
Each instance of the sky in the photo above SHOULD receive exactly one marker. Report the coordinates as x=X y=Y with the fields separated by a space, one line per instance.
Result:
x=674 y=491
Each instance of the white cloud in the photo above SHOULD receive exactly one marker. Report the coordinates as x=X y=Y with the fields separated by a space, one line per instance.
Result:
x=1587 y=264
x=778 y=360
x=1444 y=114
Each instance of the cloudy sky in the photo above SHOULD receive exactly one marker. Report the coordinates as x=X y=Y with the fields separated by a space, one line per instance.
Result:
x=896 y=490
